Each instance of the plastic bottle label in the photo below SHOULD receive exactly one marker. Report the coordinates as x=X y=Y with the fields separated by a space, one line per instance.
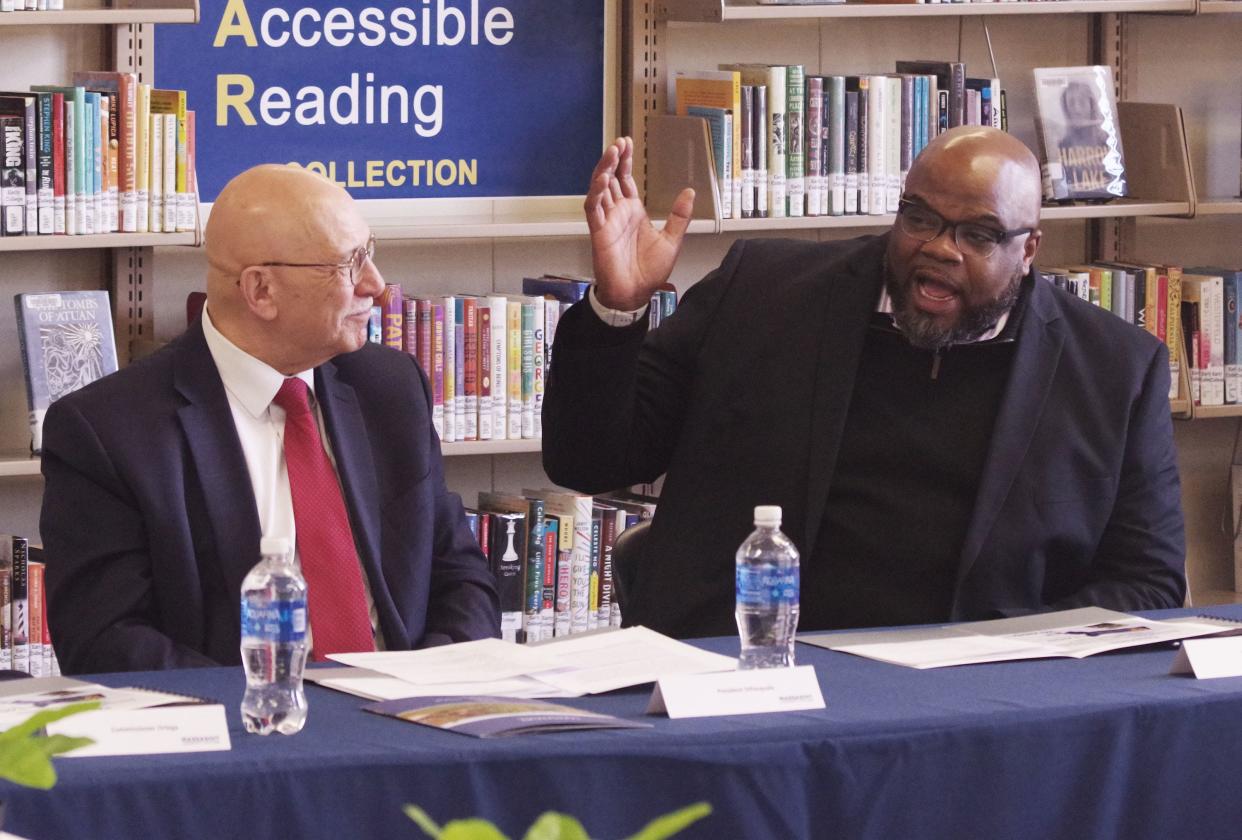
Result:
x=276 y=621
x=761 y=587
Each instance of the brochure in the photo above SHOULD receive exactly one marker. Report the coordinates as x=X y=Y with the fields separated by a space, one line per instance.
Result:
x=1071 y=633
x=495 y=717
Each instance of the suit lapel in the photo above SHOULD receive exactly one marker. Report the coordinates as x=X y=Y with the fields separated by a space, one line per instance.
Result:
x=356 y=467
x=849 y=298
x=1039 y=341
x=211 y=437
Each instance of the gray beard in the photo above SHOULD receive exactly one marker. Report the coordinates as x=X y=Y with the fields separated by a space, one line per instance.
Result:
x=923 y=332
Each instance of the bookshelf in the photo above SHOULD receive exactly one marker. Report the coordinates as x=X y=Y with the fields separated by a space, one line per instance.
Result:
x=717 y=11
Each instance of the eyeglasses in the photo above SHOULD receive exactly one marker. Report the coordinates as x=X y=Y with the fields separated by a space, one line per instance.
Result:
x=973 y=239
x=357 y=260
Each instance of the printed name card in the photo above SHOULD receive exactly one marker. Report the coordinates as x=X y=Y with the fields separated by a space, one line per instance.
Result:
x=1210 y=658
x=737 y=693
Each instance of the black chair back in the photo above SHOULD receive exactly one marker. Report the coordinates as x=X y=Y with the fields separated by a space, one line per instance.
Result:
x=626 y=552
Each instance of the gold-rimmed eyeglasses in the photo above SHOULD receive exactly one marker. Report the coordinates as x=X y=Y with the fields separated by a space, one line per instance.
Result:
x=356 y=262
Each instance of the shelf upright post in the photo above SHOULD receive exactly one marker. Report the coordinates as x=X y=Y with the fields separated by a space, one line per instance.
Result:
x=133 y=52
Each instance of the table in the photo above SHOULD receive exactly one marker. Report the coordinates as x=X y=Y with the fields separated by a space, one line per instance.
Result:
x=1106 y=747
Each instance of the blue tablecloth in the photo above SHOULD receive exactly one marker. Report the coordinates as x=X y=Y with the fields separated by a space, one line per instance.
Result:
x=1106 y=747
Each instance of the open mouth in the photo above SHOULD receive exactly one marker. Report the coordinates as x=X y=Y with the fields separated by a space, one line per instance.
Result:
x=935 y=292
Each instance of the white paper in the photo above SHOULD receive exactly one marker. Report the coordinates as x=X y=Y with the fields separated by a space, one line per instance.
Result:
x=1071 y=633
x=483 y=661
x=570 y=667
x=166 y=729
x=636 y=655
x=737 y=693
x=1209 y=658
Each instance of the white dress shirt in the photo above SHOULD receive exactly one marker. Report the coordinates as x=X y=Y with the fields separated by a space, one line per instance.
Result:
x=251 y=385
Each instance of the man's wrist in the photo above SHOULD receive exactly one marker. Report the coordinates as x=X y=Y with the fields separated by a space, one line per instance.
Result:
x=614 y=317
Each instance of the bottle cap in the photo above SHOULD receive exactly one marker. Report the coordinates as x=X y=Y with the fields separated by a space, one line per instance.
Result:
x=768 y=516
x=274 y=545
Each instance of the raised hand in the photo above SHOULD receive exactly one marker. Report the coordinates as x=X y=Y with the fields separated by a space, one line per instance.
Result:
x=631 y=258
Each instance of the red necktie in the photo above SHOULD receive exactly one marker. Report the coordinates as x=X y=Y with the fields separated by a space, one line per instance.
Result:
x=336 y=599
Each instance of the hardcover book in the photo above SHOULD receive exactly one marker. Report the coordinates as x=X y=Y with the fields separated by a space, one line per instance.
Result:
x=1079 y=137
x=66 y=342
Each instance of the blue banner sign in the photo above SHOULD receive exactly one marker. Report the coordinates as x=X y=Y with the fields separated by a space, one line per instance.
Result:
x=431 y=99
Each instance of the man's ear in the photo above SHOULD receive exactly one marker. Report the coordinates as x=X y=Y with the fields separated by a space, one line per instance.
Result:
x=1029 y=249
x=258 y=290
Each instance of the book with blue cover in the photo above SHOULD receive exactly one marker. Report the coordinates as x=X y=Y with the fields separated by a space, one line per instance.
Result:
x=66 y=342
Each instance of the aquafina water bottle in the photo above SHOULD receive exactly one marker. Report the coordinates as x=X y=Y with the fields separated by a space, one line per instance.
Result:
x=273 y=641
x=767 y=593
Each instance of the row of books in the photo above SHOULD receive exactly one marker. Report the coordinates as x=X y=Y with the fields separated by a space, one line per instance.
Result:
x=104 y=154
x=788 y=144
x=551 y=553
x=486 y=356
x=1193 y=310
x=32 y=5
x=25 y=644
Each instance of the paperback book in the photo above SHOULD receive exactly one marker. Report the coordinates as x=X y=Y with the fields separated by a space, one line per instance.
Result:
x=66 y=342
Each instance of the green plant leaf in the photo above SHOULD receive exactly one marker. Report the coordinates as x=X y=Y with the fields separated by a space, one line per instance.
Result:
x=670 y=824
x=425 y=822
x=554 y=826
x=26 y=757
x=42 y=718
x=472 y=829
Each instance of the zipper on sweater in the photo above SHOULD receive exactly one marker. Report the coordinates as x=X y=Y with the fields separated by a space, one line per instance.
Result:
x=935 y=368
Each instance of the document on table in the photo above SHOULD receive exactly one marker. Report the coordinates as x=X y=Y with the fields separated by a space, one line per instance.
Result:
x=570 y=667
x=1069 y=633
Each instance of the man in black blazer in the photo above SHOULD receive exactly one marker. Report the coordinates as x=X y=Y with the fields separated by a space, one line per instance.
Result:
x=160 y=479
x=950 y=437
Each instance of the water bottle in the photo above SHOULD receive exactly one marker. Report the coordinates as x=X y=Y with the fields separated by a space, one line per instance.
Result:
x=273 y=641
x=767 y=593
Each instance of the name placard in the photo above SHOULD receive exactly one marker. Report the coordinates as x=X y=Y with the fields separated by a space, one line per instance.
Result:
x=737 y=693
x=1210 y=658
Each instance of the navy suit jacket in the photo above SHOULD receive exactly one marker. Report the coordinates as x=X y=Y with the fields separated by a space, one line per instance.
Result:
x=741 y=397
x=150 y=524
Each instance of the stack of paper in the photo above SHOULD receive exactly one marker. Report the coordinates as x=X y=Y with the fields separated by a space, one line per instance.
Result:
x=577 y=665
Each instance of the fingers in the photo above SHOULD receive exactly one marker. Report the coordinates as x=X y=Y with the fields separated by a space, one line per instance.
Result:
x=599 y=197
x=679 y=216
x=625 y=169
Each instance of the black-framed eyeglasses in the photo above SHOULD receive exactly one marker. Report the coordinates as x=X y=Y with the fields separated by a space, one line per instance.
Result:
x=356 y=262
x=920 y=222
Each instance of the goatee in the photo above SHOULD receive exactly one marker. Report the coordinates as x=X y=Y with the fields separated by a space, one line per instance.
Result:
x=922 y=331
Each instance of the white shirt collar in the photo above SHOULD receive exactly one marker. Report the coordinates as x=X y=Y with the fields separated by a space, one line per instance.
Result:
x=252 y=382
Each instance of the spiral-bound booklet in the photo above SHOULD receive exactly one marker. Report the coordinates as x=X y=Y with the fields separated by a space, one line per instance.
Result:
x=1072 y=633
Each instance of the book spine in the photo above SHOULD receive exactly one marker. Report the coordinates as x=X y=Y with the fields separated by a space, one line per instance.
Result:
x=795 y=153
x=877 y=156
x=834 y=112
x=437 y=369
x=13 y=174
x=892 y=142
x=513 y=357
x=127 y=90
x=58 y=164
x=1233 y=332
x=776 y=142
x=470 y=367
x=1214 y=313
x=155 y=178
x=483 y=354
x=747 y=151
x=864 y=146
x=31 y=152
x=499 y=344
x=46 y=192
x=539 y=353
x=532 y=620
x=909 y=124
x=851 y=152
x=607 y=537
x=450 y=350
x=814 y=146
x=171 y=133
x=142 y=159
x=547 y=608
x=112 y=125
x=527 y=368
x=760 y=145
x=393 y=307
x=1174 y=335
x=6 y=616
x=34 y=576
x=21 y=605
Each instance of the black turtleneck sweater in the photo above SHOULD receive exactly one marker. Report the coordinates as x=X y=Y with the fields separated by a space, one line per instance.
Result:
x=903 y=489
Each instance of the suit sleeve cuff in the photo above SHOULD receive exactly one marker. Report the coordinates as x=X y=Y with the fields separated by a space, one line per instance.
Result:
x=614 y=317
